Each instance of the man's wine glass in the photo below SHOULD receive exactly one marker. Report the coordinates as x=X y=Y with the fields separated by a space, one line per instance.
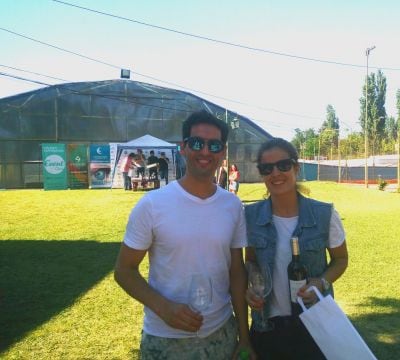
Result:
x=261 y=283
x=200 y=293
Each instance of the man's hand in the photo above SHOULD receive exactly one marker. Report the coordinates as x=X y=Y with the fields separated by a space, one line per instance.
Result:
x=180 y=316
x=255 y=302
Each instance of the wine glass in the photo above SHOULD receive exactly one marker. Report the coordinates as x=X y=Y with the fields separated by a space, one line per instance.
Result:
x=200 y=293
x=261 y=283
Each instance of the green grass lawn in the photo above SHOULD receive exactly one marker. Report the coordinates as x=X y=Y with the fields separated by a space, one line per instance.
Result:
x=58 y=299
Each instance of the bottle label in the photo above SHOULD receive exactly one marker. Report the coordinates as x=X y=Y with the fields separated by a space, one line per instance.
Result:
x=295 y=285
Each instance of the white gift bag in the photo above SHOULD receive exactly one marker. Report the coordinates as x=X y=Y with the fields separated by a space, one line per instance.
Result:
x=332 y=330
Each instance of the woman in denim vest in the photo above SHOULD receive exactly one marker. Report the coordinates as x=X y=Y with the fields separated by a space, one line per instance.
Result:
x=270 y=225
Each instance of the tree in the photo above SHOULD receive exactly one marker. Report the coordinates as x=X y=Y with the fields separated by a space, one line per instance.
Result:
x=368 y=89
x=305 y=142
x=329 y=132
x=352 y=145
x=332 y=121
x=298 y=139
x=376 y=117
x=398 y=114
x=388 y=143
x=391 y=129
x=328 y=141
x=381 y=99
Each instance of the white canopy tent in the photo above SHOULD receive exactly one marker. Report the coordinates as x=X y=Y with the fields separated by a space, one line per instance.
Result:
x=146 y=143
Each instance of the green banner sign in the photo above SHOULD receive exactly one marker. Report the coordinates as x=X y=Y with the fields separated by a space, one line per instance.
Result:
x=78 y=166
x=54 y=167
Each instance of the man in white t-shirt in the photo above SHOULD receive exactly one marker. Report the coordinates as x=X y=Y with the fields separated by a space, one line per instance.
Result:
x=189 y=227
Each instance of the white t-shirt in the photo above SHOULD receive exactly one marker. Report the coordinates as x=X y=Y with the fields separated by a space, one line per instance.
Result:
x=185 y=235
x=280 y=297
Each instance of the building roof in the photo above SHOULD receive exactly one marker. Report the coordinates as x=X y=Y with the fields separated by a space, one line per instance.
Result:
x=113 y=99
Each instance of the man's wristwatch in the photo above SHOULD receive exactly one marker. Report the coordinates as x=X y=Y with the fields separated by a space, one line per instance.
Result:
x=325 y=284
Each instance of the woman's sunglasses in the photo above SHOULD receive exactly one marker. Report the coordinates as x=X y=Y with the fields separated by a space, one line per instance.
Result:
x=282 y=165
x=196 y=143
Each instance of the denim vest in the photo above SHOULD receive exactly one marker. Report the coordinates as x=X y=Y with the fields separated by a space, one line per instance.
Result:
x=312 y=230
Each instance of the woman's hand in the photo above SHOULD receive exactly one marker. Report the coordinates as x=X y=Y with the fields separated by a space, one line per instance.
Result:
x=255 y=302
x=310 y=297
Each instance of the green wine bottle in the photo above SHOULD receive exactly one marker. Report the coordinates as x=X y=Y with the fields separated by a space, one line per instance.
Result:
x=297 y=274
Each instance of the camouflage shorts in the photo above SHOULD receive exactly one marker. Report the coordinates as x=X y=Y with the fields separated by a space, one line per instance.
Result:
x=220 y=345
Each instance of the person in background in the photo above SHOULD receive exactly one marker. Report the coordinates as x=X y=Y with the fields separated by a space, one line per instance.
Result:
x=180 y=165
x=189 y=227
x=140 y=163
x=126 y=166
x=222 y=174
x=270 y=225
x=153 y=171
x=234 y=176
x=163 y=162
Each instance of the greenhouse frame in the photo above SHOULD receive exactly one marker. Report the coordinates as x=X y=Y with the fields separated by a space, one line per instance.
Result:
x=103 y=112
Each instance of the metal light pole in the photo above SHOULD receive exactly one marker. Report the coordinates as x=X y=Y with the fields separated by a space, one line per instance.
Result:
x=366 y=118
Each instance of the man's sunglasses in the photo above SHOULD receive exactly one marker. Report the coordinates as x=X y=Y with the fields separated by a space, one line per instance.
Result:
x=196 y=143
x=282 y=165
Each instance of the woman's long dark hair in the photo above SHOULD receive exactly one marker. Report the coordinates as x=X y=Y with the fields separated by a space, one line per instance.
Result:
x=278 y=143
x=235 y=168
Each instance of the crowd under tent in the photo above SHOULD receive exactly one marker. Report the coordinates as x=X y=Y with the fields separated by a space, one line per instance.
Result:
x=145 y=143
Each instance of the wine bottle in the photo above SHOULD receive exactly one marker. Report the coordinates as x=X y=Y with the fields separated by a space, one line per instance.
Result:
x=297 y=274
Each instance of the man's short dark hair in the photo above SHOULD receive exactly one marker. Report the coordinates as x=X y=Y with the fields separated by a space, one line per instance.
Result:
x=204 y=117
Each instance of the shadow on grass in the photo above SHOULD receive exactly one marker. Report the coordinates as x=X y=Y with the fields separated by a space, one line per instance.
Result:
x=39 y=279
x=134 y=354
x=381 y=331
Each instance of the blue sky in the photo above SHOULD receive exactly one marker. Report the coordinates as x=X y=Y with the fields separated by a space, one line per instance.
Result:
x=280 y=93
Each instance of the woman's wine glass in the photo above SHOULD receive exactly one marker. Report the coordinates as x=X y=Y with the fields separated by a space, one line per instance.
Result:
x=261 y=283
x=200 y=293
